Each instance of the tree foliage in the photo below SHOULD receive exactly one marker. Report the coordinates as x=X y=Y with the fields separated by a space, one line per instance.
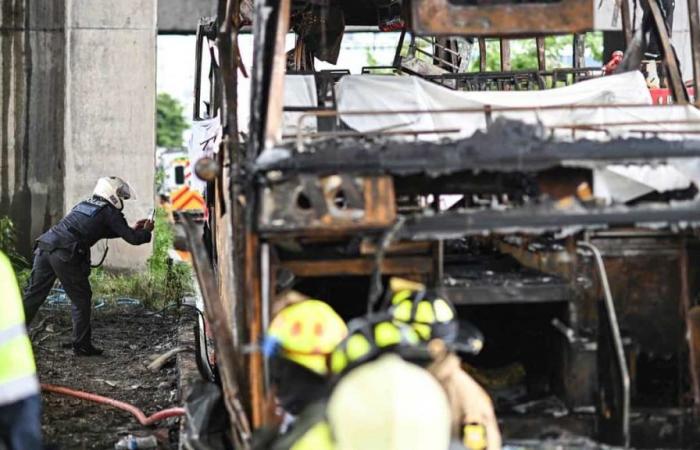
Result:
x=171 y=121
x=523 y=52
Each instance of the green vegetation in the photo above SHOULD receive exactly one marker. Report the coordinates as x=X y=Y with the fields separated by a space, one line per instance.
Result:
x=163 y=283
x=523 y=52
x=171 y=121
x=8 y=245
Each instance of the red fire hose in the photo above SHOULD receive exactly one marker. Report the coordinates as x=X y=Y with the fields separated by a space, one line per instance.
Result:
x=140 y=416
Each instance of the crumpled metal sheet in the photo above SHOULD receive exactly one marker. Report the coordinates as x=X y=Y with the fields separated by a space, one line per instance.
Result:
x=508 y=146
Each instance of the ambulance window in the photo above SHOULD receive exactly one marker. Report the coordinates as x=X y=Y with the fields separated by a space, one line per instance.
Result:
x=179 y=175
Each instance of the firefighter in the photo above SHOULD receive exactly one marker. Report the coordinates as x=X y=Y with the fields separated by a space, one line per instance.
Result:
x=434 y=319
x=63 y=252
x=384 y=403
x=297 y=344
x=20 y=403
x=388 y=404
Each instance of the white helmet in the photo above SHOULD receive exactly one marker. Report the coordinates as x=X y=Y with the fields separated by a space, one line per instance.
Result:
x=389 y=404
x=114 y=190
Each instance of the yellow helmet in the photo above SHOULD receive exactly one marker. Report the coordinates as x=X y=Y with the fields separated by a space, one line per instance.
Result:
x=389 y=404
x=305 y=333
x=432 y=316
x=369 y=338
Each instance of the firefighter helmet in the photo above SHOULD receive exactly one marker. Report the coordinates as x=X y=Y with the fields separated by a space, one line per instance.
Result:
x=368 y=338
x=389 y=404
x=305 y=333
x=433 y=317
x=114 y=190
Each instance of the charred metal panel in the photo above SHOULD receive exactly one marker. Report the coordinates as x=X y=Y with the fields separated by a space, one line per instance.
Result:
x=501 y=18
x=327 y=205
x=542 y=218
x=506 y=147
x=645 y=283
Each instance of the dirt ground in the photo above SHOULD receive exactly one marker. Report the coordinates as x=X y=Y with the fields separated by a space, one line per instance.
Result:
x=131 y=338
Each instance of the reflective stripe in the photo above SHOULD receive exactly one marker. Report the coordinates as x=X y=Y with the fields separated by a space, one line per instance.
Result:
x=10 y=297
x=357 y=346
x=12 y=332
x=19 y=389
x=386 y=334
x=16 y=360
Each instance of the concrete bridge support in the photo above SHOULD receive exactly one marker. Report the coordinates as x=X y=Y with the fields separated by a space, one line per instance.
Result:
x=77 y=101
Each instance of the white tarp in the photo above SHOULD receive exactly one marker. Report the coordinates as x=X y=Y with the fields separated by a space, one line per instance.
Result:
x=389 y=94
x=381 y=93
x=299 y=91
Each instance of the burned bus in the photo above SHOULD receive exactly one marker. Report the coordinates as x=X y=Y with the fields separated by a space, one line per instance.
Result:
x=555 y=207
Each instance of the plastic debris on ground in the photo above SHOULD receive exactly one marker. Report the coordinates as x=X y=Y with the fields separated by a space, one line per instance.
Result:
x=127 y=301
x=134 y=442
x=549 y=405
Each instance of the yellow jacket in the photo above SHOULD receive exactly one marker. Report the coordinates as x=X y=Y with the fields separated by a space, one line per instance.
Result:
x=17 y=368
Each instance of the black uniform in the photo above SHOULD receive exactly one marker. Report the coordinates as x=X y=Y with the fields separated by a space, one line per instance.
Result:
x=64 y=252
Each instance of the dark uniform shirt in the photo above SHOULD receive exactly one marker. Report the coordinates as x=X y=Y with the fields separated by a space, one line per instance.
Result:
x=88 y=222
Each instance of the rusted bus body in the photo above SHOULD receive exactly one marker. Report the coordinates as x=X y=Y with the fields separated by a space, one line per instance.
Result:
x=344 y=206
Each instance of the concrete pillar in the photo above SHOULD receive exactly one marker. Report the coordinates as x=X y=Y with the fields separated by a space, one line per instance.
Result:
x=182 y=16
x=32 y=79
x=77 y=101
x=110 y=106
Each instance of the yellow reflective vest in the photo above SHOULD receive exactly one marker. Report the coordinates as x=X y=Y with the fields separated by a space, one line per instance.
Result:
x=17 y=368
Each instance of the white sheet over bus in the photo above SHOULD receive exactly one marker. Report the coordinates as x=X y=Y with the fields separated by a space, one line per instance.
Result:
x=390 y=95
x=387 y=95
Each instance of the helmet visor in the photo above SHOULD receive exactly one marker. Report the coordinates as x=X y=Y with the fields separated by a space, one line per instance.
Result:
x=125 y=191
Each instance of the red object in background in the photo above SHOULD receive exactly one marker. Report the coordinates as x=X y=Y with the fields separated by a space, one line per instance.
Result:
x=664 y=97
x=615 y=61
x=395 y=24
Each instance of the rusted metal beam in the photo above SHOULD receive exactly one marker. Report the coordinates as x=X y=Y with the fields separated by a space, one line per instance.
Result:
x=505 y=54
x=223 y=338
x=255 y=331
x=273 y=125
x=579 y=50
x=197 y=73
x=626 y=21
x=482 y=54
x=410 y=265
x=369 y=247
x=541 y=59
x=694 y=19
x=444 y=17
x=228 y=215
x=680 y=95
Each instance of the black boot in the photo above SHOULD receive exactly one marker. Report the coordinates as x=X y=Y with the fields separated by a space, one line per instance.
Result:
x=86 y=350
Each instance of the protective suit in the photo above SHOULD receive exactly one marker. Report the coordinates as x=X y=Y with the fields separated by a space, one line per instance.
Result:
x=63 y=252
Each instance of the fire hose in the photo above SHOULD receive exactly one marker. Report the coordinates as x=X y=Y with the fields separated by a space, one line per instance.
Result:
x=140 y=416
